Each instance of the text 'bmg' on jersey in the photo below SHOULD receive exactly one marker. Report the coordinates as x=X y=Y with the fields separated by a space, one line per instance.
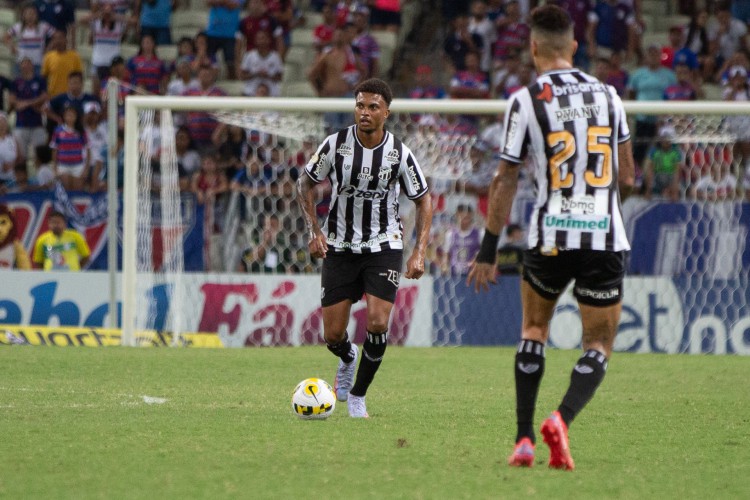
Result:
x=366 y=183
x=571 y=124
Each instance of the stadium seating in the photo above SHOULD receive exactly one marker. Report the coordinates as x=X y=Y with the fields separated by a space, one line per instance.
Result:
x=7 y=18
x=197 y=19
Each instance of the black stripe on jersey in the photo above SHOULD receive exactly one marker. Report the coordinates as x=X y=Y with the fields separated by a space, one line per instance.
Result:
x=354 y=181
x=337 y=172
x=541 y=117
x=592 y=161
x=372 y=185
x=561 y=237
x=614 y=187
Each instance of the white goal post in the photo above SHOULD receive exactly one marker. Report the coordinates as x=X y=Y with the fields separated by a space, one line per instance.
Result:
x=135 y=105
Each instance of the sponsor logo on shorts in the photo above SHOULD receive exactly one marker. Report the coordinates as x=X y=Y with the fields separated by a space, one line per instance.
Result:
x=392 y=276
x=538 y=283
x=322 y=292
x=598 y=294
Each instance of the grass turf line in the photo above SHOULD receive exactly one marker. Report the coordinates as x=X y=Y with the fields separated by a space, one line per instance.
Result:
x=442 y=423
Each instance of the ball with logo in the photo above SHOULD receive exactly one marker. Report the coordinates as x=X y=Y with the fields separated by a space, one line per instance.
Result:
x=313 y=399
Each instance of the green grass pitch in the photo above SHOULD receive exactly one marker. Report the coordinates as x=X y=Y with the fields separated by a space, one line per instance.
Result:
x=75 y=425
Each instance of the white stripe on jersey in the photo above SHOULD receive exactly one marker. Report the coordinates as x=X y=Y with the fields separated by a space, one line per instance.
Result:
x=571 y=125
x=366 y=183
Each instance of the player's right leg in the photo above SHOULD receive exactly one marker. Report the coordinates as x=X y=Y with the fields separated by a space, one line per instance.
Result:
x=335 y=320
x=529 y=369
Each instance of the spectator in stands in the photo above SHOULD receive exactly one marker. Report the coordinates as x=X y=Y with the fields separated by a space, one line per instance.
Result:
x=688 y=86
x=10 y=153
x=510 y=253
x=508 y=75
x=612 y=28
x=343 y=12
x=718 y=184
x=470 y=83
x=146 y=70
x=254 y=181
x=676 y=43
x=476 y=181
x=60 y=248
x=726 y=35
x=75 y=97
x=60 y=14
x=738 y=89
x=183 y=79
x=155 y=18
x=579 y=12
x=738 y=59
x=262 y=65
x=282 y=12
x=462 y=242
x=512 y=33
x=364 y=43
x=424 y=87
x=480 y=24
x=186 y=48
x=323 y=33
x=96 y=135
x=58 y=63
x=5 y=84
x=648 y=83
x=119 y=7
x=663 y=167
x=70 y=159
x=698 y=43
x=202 y=124
x=44 y=178
x=119 y=72
x=386 y=15
x=230 y=142
x=271 y=253
x=223 y=22
x=28 y=96
x=107 y=30
x=203 y=57
x=459 y=42
x=187 y=157
x=258 y=19
x=28 y=38
x=208 y=185
x=335 y=74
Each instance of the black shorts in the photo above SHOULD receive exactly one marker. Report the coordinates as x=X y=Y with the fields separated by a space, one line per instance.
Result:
x=598 y=275
x=348 y=275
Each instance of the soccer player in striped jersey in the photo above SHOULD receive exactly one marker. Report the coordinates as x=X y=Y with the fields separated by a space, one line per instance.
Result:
x=574 y=127
x=361 y=242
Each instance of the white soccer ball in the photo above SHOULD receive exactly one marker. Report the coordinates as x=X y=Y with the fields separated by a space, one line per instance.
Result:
x=313 y=399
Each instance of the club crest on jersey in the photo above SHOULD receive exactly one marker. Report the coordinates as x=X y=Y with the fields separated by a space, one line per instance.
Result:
x=344 y=150
x=385 y=173
x=392 y=157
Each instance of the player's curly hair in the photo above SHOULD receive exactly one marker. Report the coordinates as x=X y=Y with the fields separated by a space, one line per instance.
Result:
x=551 y=19
x=375 y=86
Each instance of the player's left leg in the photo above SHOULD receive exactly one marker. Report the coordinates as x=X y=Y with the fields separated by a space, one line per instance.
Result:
x=381 y=277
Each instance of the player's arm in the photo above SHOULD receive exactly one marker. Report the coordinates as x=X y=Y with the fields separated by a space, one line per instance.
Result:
x=415 y=264
x=502 y=191
x=306 y=190
x=626 y=173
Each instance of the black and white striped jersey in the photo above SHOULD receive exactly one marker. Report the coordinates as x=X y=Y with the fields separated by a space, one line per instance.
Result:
x=366 y=183
x=570 y=124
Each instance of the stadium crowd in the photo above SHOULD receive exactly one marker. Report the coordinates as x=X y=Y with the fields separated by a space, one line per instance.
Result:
x=58 y=56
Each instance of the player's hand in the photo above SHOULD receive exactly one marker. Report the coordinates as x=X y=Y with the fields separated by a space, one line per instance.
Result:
x=482 y=274
x=414 y=267
x=318 y=245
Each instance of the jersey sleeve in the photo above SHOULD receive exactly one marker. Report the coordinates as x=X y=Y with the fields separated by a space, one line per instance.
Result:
x=321 y=162
x=411 y=177
x=515 y=130
x=81 y=245
x=622 y=124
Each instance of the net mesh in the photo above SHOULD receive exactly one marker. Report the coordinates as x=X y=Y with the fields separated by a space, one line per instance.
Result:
x=689 y=226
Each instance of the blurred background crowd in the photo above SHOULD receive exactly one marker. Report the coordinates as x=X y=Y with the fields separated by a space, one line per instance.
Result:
x=57 y=56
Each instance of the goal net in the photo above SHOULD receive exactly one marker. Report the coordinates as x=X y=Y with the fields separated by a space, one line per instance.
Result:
x=251 y=281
